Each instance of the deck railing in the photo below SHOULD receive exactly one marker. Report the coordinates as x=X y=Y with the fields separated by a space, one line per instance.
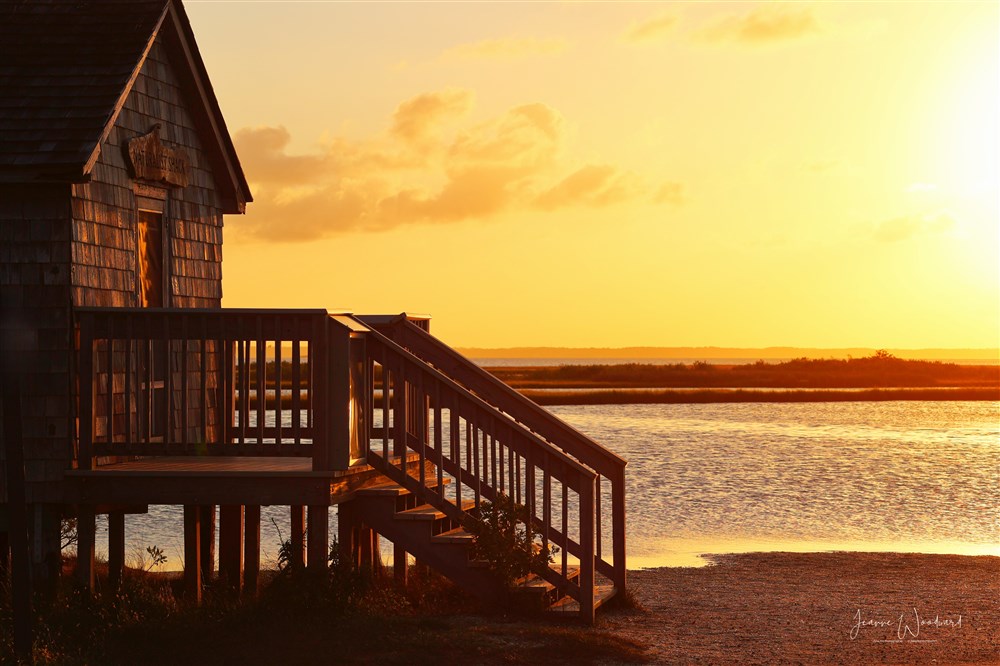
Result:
x=209 y=382
x=306 y=383
x=487 y=451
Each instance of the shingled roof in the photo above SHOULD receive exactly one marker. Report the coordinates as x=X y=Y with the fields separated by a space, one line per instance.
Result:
x=66 y=68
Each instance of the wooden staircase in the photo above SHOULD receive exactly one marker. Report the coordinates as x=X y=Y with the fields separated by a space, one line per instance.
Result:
x=439 y=542
x=476 y=440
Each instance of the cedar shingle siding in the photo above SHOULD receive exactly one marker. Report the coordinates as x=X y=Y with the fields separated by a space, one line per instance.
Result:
x=104 y=210
x=78 y=79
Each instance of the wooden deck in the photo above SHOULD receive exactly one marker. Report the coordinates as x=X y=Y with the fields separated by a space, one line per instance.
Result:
x=264 y=480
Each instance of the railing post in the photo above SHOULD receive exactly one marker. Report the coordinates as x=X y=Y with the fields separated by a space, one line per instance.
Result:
x=319 y=393
x=339 y=403
x=587 y=545
x=618 y=527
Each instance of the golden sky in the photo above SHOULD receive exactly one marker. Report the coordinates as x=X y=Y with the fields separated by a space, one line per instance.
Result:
x=617 y=174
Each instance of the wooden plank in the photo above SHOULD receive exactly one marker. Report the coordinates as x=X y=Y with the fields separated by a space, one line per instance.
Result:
x=116 y=548
x=251 y=549
x=184 y=384
x=128 y=379
x=318 y=539
x=17 y=528
x=278 y=438
x=86 y=530
x=192 y=553
x=260 y=346
x=298 y=536
x=587 y=558
x=207 y=520
x=296 y=387
x=231 y=546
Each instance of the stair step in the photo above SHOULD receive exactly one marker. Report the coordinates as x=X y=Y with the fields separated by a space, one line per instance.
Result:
x=568 y=606
x=457 y=535
x=428 y=512
x=393 y=489
x=535 y=583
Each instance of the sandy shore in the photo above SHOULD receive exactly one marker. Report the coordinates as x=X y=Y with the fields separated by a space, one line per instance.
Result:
x=771 y=608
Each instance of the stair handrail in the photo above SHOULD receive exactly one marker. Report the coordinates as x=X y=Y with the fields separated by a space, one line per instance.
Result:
x=499 y=395
x=522 y=410
x=575 y=475
x=552 y=450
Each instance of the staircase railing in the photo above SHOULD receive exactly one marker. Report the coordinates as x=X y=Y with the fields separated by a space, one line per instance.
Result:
x=442 y=414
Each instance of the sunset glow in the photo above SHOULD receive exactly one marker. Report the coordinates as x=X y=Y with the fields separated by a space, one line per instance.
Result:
x=619 y=174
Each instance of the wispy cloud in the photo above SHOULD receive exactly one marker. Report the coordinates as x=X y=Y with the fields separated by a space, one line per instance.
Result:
x=506 y=49
x=902 y=228
x=430 y=166
x=650 y=30
x=766 y=24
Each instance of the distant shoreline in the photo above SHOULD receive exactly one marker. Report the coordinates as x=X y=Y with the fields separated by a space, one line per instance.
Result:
x=704 y=396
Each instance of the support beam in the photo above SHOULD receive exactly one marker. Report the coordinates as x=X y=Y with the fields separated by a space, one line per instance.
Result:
x=4 y=555
x=319 y=536
x=231 y=545
x=116 y=548
x=46 y=542
x=207 y=541
x=192 y=553
x=399 y=564
x=17 y=513
x=371 y=558
x=345 y=534
x=251 y=550
x=297 y=537
x=86 y=529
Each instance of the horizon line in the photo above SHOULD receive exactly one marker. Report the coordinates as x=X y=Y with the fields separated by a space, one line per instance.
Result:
x=716 y=351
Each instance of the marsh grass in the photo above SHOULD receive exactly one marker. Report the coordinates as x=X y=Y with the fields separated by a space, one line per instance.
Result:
x=298 y=618
x=881 y=370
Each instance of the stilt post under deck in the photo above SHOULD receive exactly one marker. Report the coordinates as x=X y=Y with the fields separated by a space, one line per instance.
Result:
x=116 y=548
x=346 y=536
x=231 y=545
x=251 y=549
x=298 y=522
x=192 y=552
x=86 y=529
x=319 y=536
x=207 y=541
x=4 y=555
x=399 y=564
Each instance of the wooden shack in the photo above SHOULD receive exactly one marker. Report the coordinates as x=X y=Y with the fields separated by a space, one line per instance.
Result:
x=137 y=387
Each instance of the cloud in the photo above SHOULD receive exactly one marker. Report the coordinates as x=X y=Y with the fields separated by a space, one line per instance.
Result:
x=417 y=118
x=767 y=24
x=650 y=30
x=429 y=166
x=592 y=185
x=902 y=228
x=506 y=49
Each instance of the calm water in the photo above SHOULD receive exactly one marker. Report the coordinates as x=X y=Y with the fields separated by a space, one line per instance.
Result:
x=917 y=476
x=908 y=476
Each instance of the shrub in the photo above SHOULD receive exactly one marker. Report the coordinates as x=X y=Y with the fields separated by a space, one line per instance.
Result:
x=506 y=540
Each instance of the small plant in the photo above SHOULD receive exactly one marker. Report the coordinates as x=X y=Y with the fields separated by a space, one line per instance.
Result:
x=157 y=558
x=67 y=533
x=286 y=562
x=505 y=538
